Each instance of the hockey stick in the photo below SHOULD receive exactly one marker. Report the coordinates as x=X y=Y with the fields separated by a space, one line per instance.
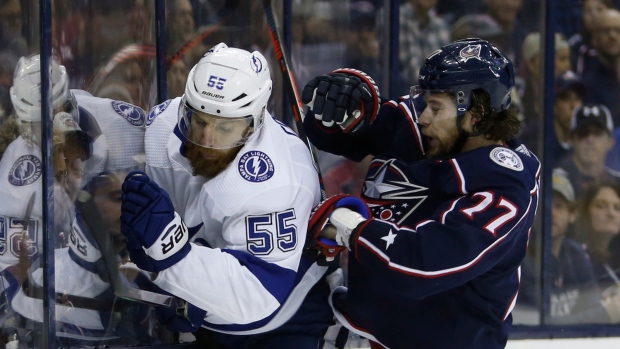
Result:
x=120 y=285
x=290 y=85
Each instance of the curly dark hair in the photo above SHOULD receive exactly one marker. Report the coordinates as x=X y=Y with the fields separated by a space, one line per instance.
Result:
x=503 y=125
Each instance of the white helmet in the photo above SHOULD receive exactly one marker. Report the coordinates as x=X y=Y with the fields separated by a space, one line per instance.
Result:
x=26 y=90
x=227 y=85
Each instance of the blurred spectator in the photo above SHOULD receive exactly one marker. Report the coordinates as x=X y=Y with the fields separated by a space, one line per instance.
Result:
x=533 y=94
x=362 y=43
x=568 y=19
x=476 y=26
x=532 y=59
x=505 y=13
x=591 y=139
x=181 y=27
x=95 y=31
x=581 y=51
x=451 y=10
x=205 y=11
x=11 y=16
x=568 y=97
x=602 y=77
x=421 y=32
x=598 y=225
x=128 y=76
x=176 y=76
x=575 y=295
x=321 y=47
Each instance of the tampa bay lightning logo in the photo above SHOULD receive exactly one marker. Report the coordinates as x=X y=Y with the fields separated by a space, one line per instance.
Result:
x=470 y=51
x=131 y=113
x=25 y=171
x=256 y=64
x=158 y=109
x=255 y=166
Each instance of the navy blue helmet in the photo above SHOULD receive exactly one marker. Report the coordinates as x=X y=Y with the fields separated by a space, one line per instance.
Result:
x=465 y=65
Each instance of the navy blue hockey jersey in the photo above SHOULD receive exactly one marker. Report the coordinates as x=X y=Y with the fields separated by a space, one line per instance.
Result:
x=438 y=266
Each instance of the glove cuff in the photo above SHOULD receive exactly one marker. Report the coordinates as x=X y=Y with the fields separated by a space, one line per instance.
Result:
x=373 y=89
x=171 y=242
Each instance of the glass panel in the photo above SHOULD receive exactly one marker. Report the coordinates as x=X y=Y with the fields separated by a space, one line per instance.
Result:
x=108 y=52
x=21 y=166
x=102 y=83
x=585 y=221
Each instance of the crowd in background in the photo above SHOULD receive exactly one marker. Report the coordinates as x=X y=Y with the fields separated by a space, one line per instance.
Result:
x=108 y=49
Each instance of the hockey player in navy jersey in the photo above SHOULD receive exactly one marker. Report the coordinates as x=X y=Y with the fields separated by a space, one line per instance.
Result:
x=221 y=214
x=448 y=201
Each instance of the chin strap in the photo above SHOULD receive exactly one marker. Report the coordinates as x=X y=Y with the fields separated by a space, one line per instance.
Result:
x=463 y=135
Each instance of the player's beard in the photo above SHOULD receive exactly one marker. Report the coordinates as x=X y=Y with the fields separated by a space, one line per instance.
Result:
x=214 y=163
x=447 y=146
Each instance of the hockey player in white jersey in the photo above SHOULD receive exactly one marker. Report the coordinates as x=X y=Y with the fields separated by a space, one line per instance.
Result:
x=21 y=171
x=220 y=217
x=87 y=311
x=21 y=165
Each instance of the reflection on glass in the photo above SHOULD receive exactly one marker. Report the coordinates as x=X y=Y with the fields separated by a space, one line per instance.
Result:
x=107 y=48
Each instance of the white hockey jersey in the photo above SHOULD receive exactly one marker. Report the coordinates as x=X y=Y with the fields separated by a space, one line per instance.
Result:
x=120 y=146
x=21 y=177
x=249 y=225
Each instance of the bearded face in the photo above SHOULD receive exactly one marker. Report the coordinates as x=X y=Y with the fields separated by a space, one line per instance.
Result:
x=209 y=162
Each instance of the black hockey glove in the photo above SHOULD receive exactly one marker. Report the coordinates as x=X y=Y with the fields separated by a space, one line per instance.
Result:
x=345 y=97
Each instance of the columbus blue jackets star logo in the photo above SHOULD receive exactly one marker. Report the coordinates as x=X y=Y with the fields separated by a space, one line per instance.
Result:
x=470 y=51
x=391 y=197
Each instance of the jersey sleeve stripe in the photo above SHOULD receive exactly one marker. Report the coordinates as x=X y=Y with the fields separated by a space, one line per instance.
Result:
x=459 y=176
x=414 y=125
x=444 y=272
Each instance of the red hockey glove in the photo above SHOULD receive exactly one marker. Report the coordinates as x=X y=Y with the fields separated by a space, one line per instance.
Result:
x=345 y=97
x=341 y=213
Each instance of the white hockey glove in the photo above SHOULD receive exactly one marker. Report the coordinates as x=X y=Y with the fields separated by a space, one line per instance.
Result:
x=346 y=97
